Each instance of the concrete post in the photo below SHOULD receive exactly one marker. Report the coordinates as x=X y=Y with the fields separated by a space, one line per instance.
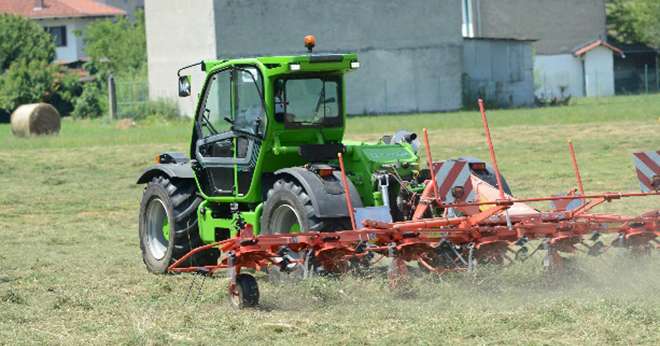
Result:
x=112 y=98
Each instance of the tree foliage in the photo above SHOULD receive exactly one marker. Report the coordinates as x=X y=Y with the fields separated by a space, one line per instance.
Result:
x=23 y=39
x=88 y=105
x=117 y=46
x=26 y=82
x=632 y=21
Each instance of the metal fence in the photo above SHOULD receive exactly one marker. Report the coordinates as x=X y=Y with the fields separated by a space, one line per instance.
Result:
x=132 y=97
x=643 y=79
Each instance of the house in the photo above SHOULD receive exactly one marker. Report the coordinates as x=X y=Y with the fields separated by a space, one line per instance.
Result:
x=561 y=29
x=410 y=50
x=62 y=19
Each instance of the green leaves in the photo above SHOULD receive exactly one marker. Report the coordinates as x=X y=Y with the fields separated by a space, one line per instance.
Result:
x=23 y=39
x=632 y=21
x=117 y=46
x=26 y=82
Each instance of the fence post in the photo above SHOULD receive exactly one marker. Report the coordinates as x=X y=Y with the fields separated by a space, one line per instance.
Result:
x=657 y=75
x=646 y=78
x=112 y=98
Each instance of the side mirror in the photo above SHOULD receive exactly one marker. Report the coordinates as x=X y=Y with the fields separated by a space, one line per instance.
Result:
x=184 y=86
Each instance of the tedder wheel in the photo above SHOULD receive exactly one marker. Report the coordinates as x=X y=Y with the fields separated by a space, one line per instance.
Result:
x=245 y=293
x=168 y=224
x=288 y=209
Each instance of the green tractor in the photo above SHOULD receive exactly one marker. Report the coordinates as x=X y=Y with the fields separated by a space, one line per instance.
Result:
x=265 y=141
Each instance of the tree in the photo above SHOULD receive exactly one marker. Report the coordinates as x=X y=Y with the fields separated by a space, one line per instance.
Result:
x=632 y=21
x=23 y=39
x=26 y=82
x=116 y=46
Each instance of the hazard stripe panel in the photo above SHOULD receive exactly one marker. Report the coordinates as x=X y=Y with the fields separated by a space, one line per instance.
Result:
x=450 y=174
x=647 y=165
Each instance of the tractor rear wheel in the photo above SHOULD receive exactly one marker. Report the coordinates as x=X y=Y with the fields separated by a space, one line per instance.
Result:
x=288 y=209
x=168 y=224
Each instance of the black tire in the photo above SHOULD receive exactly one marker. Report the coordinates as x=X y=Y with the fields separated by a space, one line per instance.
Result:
x=246 y=292
x=171 y=206
x=289 y=197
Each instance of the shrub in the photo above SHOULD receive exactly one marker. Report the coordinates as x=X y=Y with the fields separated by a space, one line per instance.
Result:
x=89 y=104
x=26 y=82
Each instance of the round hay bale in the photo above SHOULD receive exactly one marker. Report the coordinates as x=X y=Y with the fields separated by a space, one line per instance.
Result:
x=35 y=119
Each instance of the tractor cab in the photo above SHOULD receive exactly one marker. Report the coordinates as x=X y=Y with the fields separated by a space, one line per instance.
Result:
x=264 y=114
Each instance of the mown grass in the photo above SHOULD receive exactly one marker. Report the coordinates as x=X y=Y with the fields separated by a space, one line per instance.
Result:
x=71 y=272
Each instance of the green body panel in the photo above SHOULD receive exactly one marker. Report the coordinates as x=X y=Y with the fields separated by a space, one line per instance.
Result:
x=280 y=144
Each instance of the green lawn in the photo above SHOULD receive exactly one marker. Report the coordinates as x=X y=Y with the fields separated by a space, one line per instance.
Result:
x=71 y=271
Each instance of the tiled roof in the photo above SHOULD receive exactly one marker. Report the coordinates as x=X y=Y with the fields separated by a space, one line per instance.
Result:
x=593 y=44
x=58 y=8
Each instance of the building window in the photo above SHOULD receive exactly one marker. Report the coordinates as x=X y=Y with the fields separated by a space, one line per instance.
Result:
x=59 y=35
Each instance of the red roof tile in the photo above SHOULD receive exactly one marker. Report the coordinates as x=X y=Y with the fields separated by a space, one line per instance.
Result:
x=58 y=8
x=591 y=45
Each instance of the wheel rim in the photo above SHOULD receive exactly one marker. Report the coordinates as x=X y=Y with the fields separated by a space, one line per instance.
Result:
x=158 y=228
x=285 y=219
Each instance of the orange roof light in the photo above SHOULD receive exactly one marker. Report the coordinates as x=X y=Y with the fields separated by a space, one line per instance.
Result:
x=310 y=42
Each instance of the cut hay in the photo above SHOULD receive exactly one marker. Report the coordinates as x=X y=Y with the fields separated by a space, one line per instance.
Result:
x=35 y=119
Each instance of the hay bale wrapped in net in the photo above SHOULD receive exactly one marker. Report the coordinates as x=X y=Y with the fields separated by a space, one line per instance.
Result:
x=35 y=119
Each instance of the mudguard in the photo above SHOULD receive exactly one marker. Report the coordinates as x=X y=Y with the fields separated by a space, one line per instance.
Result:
x=171 y=170
x=327 y=195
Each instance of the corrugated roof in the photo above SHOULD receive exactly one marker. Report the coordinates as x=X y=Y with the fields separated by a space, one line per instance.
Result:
x=40 y=9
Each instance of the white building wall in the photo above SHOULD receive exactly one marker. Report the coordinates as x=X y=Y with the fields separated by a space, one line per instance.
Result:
x=552 y=73
x=599 y=72
x=172 y=45
x=73 y=50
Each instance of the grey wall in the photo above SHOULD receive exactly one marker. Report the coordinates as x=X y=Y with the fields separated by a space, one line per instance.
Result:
x=500 y=71
x=410 y=50
x=178 y=33
x=558 y=25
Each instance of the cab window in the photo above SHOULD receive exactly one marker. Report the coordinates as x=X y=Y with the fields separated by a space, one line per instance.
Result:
x=218 y=105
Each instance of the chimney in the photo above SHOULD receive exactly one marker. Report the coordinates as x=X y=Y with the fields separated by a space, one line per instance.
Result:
x=38 y=5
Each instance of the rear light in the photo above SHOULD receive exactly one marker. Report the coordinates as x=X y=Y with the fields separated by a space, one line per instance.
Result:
x=325 y=172
x=478 y=166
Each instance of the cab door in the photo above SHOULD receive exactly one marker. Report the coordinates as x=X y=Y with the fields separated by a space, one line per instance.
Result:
x=229 y=127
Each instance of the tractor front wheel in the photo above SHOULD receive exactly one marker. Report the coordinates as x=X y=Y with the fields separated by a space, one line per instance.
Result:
x=168 y=223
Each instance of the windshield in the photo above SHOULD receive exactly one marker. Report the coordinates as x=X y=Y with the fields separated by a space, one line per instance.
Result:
x=308 y=101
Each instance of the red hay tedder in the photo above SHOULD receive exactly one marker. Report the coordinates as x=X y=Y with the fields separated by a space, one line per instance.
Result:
x=458 y=221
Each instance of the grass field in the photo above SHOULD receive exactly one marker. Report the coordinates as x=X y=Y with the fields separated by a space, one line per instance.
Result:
x=71 y=271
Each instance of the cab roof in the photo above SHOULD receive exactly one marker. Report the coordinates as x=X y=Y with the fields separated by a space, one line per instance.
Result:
x=306 y=63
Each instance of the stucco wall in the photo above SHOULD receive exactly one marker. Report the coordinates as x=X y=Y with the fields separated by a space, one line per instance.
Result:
x=501 y=71
x=558 y=25
x=554 y=72
x=599 y=72
x=179 y=33
x=410 y=50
